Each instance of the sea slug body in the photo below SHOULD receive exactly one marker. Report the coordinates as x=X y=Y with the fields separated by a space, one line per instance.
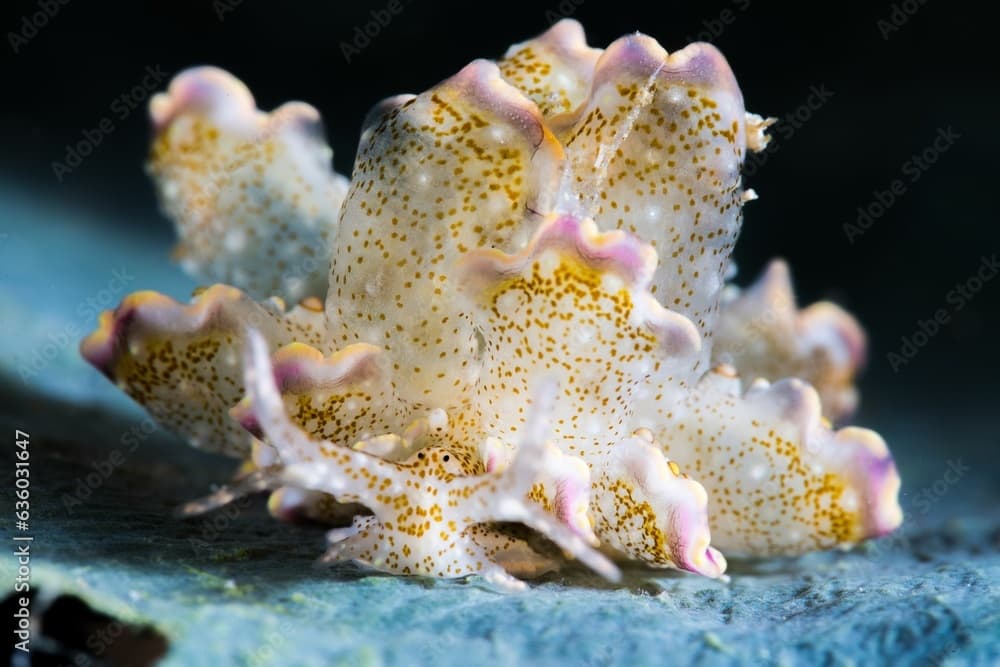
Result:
x=511 y=323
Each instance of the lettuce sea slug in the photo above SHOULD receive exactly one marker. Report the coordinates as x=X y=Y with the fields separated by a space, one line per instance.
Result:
x=512 y=323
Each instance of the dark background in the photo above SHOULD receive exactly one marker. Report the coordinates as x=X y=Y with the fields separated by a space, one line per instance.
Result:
x=892 y=94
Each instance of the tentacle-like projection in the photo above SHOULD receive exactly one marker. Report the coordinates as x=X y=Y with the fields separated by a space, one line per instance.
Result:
x=575 y=305
x=779 y=480
x=182 y=361
x=343 y=400
x=422 y=508
x=656 y=150
x=252 y=195
x=554 y=69
x=764 y=335
x=644 y=506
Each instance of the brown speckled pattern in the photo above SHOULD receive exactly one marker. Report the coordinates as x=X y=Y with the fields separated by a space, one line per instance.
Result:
x=523 y=283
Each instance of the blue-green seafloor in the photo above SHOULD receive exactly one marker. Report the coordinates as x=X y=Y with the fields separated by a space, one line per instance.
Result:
x=239 y=588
